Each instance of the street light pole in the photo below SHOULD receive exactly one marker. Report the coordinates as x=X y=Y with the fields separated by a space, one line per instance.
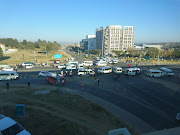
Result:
x=46 y=54
x=34 y=58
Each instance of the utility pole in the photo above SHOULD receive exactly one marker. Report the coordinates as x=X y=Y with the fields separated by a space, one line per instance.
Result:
x=34 y=58
x=158 y=55
x=46 y=53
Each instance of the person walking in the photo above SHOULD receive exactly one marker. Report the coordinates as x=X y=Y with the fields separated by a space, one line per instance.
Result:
x=95 y=81
x=7 y=85
x=98 y=82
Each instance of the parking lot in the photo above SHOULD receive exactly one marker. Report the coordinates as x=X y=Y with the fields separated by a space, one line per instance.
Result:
x=154 y=100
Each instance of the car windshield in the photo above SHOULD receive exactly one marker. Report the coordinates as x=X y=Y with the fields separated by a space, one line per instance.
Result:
x=13 y=130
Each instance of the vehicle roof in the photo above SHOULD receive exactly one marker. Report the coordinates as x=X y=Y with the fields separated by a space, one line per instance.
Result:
x=103 y=67
x=155 y=70
x=44 y=71
x=6 y=122
x=117 y=67
x=165 y=69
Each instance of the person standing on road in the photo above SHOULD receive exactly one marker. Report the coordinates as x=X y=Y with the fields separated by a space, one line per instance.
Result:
x=7 y=85
x=98 y=82
x=95 y=81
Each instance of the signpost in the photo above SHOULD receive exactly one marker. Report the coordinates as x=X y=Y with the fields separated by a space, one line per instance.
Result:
x=57 y=55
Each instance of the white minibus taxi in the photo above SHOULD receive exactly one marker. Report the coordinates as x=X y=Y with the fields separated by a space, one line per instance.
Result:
x=166 y=71
x=117 y=70
x=71 y=66
x=82 y=71
x=87 y=63
x=130 y=71
x=154 y=73
x=101 y=63
x=8 y=75
x=104 y=70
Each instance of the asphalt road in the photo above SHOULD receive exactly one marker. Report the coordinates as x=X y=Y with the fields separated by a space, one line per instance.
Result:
x=152 y=102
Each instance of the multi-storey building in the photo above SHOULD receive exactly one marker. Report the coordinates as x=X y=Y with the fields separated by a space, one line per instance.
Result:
x=89 y=43
x=114 y=38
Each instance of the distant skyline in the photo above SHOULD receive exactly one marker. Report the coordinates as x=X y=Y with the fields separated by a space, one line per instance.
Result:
x=71 y=20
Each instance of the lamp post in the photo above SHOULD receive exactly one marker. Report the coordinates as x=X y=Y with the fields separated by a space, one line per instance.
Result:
x=34 y=58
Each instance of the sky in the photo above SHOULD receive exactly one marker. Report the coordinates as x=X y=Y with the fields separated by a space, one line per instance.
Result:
x=71 y=20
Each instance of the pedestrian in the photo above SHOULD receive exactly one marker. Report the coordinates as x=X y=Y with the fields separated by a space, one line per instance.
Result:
x=128 y=65
x=95 y=81
x=70 y=74
x=29 y=84
x=98 y=82
x=7 y=85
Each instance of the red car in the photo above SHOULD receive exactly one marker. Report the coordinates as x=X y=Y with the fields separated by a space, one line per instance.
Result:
x=53 y=80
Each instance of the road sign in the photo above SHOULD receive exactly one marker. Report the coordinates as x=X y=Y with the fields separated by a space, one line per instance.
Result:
x=57 y=55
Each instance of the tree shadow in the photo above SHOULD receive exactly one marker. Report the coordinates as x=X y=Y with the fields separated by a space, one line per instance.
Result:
x=4 y=58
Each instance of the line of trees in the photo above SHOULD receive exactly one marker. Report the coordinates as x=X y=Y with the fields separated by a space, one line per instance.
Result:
x=14 y=43
x=150 y=52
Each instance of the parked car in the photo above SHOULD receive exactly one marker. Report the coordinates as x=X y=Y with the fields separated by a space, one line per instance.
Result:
x=44 y=74
x=8 y=69
x=9 y=126
x=4 y=65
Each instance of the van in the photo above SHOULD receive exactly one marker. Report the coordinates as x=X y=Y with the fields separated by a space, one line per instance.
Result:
x=130 y=71
x=71 y=66
x=117 y=70
x=154 y=73
x=115 y=60
x=80 y=66
x=104 y=70
x=82 y=71
x=101 y=63
x=87 y=63
x=166 y=71
x=54 y=80
x=8 y=75
x=73 y=62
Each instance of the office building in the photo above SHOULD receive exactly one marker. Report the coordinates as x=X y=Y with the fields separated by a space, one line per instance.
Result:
x=89 y=43
x=114 y=37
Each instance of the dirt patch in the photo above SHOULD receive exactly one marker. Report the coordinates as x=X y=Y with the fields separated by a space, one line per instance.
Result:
x=58 y=113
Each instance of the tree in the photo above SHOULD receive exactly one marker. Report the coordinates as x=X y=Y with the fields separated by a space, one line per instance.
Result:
x=24 y=42
x=152 y=52
x=117 y=53
x=1 y=52
x=133 y=52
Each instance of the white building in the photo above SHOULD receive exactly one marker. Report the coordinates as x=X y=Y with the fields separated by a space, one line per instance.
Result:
x=89 y=43
x=3 y=47
x=114 y=37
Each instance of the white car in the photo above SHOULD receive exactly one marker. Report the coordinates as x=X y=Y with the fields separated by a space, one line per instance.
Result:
x=8 y=69
x=26 y=63
x=61 y=66
x=29 y=66
x=44 y=74
x=10 y=127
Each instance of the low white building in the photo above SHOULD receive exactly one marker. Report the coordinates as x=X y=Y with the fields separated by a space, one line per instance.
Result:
x=3 y=47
